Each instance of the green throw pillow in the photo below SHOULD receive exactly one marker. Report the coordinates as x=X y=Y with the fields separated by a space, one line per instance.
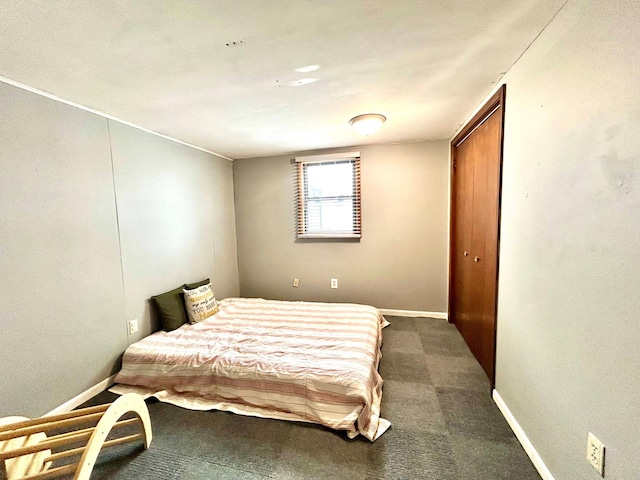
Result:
x=170 y=308
x=191 y=286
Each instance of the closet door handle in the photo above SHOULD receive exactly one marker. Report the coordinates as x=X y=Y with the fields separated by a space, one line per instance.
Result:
x=476 y=259
x=466 y=254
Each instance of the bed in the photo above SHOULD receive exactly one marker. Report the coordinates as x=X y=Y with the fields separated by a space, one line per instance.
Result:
x=301 y=361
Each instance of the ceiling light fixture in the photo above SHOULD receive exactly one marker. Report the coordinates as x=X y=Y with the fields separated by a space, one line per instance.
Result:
x=307 y=69
x=368 y=123
x=303 y=81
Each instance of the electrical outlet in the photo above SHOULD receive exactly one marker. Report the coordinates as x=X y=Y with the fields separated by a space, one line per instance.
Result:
x=595 y=453
x=334 y=283
x=296 y=282
x=133 y=326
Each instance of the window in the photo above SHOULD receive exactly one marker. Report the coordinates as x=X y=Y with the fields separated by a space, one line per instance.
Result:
x=329 y=196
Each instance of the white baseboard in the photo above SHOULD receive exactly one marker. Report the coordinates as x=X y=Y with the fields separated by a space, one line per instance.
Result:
x=83 y=397
x=522 y=437
x=413 y=313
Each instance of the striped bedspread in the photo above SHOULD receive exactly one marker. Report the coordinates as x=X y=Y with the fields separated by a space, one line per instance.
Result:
x=312 y=362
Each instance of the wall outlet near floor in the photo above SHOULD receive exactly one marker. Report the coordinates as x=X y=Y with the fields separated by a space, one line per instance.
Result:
x=334 y=283
x=296 y=282
x=133 y=326
x=595 y=453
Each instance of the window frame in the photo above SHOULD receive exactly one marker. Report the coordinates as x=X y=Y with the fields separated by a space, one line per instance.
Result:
x=302 y=198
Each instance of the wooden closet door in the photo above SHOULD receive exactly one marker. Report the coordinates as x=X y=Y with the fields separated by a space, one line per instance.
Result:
x=462 y=281
x=475 y=214
x=484 y=243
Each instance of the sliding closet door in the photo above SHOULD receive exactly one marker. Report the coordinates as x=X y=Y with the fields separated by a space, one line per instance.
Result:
x=476 y=174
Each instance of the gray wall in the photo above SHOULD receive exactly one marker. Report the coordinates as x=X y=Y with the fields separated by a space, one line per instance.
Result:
x=176 y=217
x=63 y=303
x=61 y=296
x=401 y=259
x=568 y=360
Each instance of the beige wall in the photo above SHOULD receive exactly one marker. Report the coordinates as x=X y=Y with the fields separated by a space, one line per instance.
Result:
x=401 y=259
x=568 y=360
x=95 y=217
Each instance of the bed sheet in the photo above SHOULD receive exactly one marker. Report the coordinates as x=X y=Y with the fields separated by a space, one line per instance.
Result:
x=303 y=361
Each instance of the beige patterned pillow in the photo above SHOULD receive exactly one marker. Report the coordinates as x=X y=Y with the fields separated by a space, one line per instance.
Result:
x=200 y=303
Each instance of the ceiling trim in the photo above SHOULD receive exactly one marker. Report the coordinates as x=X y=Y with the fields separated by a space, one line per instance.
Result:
x=105 y=115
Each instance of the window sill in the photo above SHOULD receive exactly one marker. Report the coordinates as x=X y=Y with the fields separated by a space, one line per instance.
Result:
x=329 y=236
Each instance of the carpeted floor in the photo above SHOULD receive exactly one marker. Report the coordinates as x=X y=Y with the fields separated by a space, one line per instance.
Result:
x=444 y=426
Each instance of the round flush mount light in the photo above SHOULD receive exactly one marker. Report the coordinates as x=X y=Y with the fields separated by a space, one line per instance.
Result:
x=368 y=123
x=307 y=69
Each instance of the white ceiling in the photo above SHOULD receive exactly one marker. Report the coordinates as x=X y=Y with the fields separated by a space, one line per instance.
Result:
x=166 y=65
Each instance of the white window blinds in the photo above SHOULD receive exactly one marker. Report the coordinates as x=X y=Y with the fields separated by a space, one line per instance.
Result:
x=328 y=196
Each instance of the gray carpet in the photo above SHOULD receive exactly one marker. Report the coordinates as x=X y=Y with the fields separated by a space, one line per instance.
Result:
x=444 y=426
